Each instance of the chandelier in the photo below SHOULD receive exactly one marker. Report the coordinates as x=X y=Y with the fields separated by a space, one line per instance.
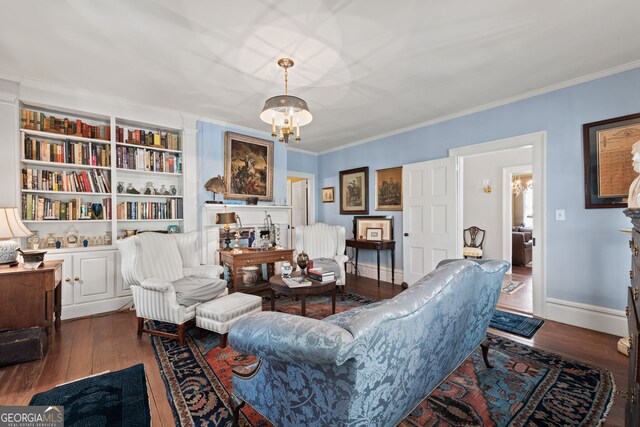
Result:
x=286 y=113
x=518 y=188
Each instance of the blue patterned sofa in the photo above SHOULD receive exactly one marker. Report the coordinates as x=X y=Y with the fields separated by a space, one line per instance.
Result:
x=372 y=365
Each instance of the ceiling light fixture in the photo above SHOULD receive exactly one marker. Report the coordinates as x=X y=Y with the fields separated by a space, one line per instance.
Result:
x=518 y=188
x=286 y=112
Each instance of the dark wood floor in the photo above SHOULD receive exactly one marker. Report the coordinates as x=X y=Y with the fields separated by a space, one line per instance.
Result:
x=521 y=300
x=96 y=344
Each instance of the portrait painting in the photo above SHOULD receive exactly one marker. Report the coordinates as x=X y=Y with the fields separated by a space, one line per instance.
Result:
x=248 y=166
x=327 y=195
x=389 y=189
x=608 y=161
x=354 y=191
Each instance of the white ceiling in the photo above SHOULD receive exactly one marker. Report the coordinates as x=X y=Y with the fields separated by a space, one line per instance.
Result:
x=365 y=67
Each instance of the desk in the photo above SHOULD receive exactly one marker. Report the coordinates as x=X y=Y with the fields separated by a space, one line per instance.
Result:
x=31 y=297
x=250 y=257
x=377 y=246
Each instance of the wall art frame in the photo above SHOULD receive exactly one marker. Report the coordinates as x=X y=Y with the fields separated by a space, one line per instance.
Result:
x=608 y=169
x=248 y=167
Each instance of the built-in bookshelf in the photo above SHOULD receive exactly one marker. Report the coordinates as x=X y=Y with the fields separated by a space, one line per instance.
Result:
x=97 y=173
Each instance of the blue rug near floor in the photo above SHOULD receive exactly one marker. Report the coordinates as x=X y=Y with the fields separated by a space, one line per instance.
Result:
x=515 y=323
x=112 y=399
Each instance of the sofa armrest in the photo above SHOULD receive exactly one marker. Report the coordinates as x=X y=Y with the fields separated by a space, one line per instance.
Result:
x=156 y=285
x=288 y=338
x=341 y=259
x=517 y=238
x=210 y=271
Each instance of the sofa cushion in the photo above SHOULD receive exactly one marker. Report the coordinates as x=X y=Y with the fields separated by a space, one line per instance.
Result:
x=192 y=290
x=469 y=251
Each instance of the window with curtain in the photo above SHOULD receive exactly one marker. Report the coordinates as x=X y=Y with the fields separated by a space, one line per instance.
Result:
x=527 y=208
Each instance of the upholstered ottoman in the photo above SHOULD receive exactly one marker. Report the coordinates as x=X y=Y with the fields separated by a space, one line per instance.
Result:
x=219 y=314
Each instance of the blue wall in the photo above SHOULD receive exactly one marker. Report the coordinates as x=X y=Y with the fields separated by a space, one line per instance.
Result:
x=587 y=257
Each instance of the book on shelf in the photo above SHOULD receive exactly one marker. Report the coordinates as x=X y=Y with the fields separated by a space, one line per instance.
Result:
x=36 y=120
x=38 y=208
x=171 y=209
x=91 y=181
x=134 y=158
x=160 y=139
x=296 y=282
x=69 y=152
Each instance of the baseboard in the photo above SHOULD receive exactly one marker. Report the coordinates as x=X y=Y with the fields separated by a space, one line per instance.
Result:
x=588 y=316
x=95 y=307
x=371 y=271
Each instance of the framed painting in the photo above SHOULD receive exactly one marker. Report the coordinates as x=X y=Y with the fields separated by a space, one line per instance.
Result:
x=327 y=195
x=248 y=167
x=608 y=167
x=354 y=191
x=375 y=228
x=389 y=189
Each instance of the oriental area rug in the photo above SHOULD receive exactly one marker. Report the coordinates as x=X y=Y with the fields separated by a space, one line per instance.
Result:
x=525 y=387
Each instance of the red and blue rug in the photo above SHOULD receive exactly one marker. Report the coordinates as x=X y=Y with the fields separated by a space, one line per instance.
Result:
x=525 y=387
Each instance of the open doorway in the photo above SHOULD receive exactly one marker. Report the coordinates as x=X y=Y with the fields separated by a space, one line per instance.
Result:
x=518 y=241
x=300 y=196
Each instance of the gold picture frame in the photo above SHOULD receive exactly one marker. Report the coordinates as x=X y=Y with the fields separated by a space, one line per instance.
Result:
x=354 y=191
x=363 y=223
x=389 y=189
x=248 y=167
x=328 y=195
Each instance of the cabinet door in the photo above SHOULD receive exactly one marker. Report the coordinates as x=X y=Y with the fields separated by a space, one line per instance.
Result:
x=93 y=275
x=67 y=276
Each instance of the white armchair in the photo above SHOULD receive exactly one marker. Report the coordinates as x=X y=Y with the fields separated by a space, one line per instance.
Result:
x=324 y=241
x=151 y=263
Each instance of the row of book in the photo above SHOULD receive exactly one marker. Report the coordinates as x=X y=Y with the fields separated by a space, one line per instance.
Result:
x=147 y=160
x=171 y=209
x=37 y=120
x=321 y=275
x=77 y=153
x=170 y=141
x=35 y=207
x=92 y=181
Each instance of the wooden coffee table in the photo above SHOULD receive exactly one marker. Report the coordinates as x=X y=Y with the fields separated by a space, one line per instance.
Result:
x=316 y=288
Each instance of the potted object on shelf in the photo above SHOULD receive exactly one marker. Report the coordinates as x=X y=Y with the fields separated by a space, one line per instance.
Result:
x=217 y=186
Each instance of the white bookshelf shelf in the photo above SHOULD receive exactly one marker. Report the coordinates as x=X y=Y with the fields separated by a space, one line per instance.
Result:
x=63 y=137
x=63 y=221
x=149 y=147
x=149 y=220
x=59 y=165
x=147 y=196
x=135 y=171
x=66 y=193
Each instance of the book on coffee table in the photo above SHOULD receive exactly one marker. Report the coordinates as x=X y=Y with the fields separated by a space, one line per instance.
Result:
x=297 y=282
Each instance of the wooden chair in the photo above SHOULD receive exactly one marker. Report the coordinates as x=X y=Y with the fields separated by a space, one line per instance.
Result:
x=473 y=239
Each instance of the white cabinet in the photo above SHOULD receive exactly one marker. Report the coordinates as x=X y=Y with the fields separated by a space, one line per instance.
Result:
x=122 y=288
x=93 y=275
x=91 y=281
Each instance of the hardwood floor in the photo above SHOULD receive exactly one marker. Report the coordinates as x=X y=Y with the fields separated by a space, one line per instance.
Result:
x=522 y=299
x=93 y=345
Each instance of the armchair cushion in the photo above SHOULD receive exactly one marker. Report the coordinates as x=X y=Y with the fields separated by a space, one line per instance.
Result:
x=192 y=290
x=209 y=271
x=156 y=285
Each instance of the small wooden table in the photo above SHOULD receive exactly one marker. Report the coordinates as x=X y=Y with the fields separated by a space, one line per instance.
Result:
x=377 y=246
x=316 y=288
x=250 y=257
x=31 y=297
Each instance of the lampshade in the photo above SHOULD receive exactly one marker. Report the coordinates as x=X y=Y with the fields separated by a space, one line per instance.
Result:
x=11 y=225
x=226 y=218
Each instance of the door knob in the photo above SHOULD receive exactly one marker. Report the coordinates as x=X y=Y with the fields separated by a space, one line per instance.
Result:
x=67 y=280
x=406 y=234
x=76 y=278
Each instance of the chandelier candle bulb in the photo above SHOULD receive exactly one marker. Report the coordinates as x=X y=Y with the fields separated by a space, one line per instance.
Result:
x=273 y=127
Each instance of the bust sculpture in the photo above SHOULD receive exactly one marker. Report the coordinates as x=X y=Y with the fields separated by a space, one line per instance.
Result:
x=634 y=189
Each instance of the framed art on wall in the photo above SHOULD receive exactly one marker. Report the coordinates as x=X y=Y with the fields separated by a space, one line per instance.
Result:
x=327 y=195
x=389 y=189
x=362 y=225
x=608 y=167
x=354 y=191
x=248 y=167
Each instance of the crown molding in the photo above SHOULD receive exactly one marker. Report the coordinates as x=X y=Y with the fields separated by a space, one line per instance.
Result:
x=8 y=97
x=300 y=150
x=568 y=83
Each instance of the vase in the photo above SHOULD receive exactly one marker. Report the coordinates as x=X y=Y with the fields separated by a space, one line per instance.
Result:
x=302 y=260
x=120 y=187
x=96 y=208
x=72 y=237
x=173 y=190
x=34 y=240
x=51 y=240
x=249 y=276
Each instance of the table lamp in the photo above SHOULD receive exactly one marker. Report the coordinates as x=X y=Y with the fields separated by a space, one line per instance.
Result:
x=226 y=218
x=11 y=226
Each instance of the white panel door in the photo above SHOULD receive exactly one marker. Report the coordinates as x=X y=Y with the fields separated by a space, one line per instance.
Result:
x=93 y=275
x=299 y=203
x=429 y=216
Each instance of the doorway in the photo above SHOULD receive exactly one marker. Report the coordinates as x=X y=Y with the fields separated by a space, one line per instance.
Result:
x=537 y=144
x=301 y=198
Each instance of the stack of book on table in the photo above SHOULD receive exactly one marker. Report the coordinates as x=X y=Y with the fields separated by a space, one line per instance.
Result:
x=321 y=275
